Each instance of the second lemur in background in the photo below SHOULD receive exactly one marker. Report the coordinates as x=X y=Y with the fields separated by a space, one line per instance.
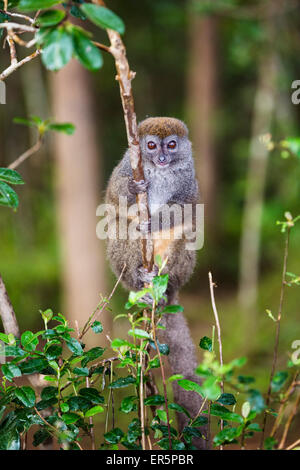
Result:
x=169 y=179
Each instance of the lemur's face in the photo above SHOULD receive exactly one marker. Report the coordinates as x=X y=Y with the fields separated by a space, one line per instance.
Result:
x=163 y=152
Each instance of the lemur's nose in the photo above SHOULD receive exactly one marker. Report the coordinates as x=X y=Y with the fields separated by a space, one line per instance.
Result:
x=162 y=158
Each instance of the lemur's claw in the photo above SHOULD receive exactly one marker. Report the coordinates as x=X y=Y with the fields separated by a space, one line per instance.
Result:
x=137 y=187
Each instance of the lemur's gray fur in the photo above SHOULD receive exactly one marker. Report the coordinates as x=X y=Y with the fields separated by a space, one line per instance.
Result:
x=169 y=178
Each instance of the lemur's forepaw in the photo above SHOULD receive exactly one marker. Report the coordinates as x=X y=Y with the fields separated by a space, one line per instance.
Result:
x=144 y=227
x=147 y=276
x=137 y=187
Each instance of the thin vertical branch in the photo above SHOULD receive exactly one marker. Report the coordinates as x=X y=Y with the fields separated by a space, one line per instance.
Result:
x=213 y=303
x=125 y=77
x=276 y=345
x=162 y=373
x=7 y=313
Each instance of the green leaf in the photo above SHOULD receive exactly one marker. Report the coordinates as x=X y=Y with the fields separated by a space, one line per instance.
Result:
x=32 y=366
x=270 y=443
x=97 y=327
x=123 y=382
x=8 y=197
x=210 y=389
x=85 y=51
x=58 y=51
x=10 y=176
x=206 y=343
x=154 y=400
x=200 y=421
x=29 y=340
x=160 y=284
x=179 y=409
x=173 y=309
x=53 y=352
x=103 y=17
x=50 y=18
x=65 y=127
x=162 y=415
x=78 y=404
x=74 y=346
x=94 y=411
x=279 y=380
x=10 y=371
x=114 y=436
x=81 y=371
x=245 y=379
x=26 y=395
x=227 y=435
x=227 y=399
x=254 y=427
x=40 y=436
x=256 y=401
x=70 y=418
x=138 y=333
x=92 y=394
x=223 y=413
x=91 y=355
x=190 y=386
x=128 y=404
x=48 y=393
x=29 y=5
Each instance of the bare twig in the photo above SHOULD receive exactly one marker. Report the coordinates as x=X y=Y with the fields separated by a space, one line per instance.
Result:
x=213 y=303
x=7 y=313
x=101 y=46
x=295 y=444
x=18 y=15
x=275 y=353
x=20 y=27
x=103 y=305
x=14 y=67
x=289 y=422
x=26 y=154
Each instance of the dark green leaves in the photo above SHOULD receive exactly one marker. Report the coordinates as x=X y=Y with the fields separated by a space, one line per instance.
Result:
x=74 y=346
x=206 y=343
x=123 y=382
x=223 y=413
x=85 y=51
x=58 y=49
x=103 y=17
x=26 y=395
x=227 y=399
x=50 y=18
x=8 y=197
x=29 y=5
x=65 y=127
x=114 y=436
x=154 y=400
x=128 y=404
x=279 y=380
x=10 y=176
x=97 y=327
x=11 y=370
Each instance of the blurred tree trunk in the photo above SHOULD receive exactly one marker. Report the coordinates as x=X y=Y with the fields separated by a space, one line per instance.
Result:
x=78 y=171
x=264 y=106
x=202 y=102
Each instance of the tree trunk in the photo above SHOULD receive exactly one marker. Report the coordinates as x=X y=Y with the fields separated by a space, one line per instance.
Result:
x=78 y=195
x=264 y=104
x=202 y=97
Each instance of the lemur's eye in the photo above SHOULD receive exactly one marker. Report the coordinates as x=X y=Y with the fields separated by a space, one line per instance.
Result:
x=172 y=144
x=151 y=145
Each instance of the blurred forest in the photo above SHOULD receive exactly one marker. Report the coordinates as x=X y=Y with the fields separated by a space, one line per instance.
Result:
x=228 y=75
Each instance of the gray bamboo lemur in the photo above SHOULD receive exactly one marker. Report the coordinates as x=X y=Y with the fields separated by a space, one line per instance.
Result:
x=169 y=179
